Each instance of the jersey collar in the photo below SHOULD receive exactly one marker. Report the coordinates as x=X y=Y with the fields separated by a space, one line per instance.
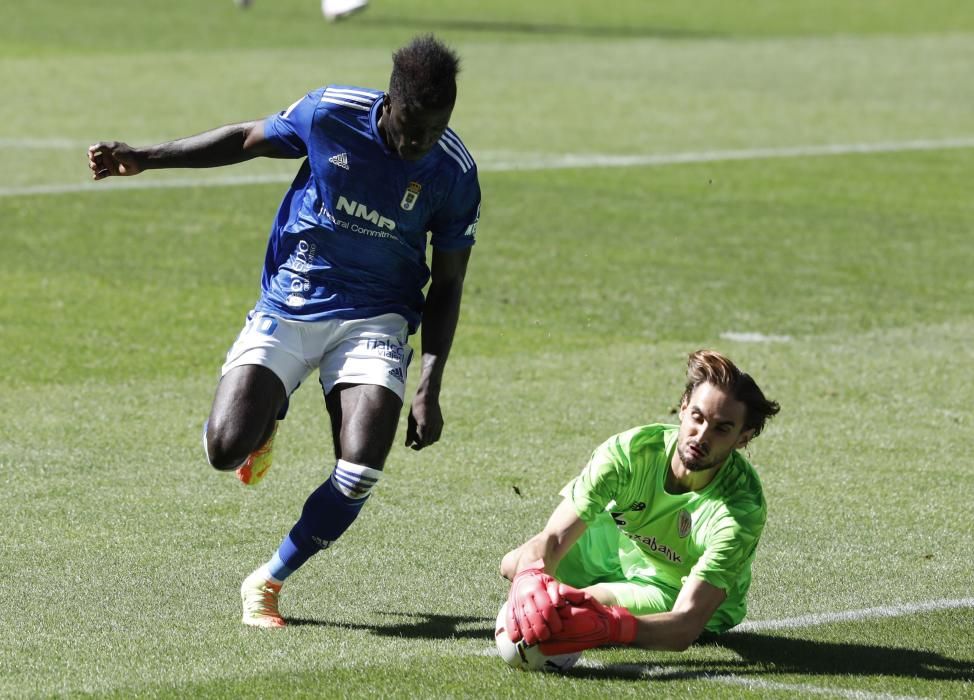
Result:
x=374 y=115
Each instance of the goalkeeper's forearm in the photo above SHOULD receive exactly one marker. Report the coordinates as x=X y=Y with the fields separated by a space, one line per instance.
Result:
x=539 y=551
x=563 y=529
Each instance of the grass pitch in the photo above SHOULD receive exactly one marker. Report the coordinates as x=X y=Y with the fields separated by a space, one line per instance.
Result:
x=842 y=282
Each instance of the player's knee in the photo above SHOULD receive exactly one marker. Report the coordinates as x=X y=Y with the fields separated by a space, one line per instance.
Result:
x=224 y=450
x=509 y=564
x=223 y=457
x=372 y=456
x=602 y=594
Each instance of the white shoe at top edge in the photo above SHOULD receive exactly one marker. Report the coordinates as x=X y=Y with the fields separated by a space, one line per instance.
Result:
x=334 y=10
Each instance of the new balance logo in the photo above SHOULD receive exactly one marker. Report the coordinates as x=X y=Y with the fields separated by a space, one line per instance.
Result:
x=341 y=160
x=398 y=374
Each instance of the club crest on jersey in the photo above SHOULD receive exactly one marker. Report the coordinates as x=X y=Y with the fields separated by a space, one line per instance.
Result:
x=684 y=524
x=410 y=196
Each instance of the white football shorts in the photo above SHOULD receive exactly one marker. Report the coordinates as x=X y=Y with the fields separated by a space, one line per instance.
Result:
x=355 y=351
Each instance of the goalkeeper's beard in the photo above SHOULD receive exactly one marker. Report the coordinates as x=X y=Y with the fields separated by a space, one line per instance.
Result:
x=699 y=463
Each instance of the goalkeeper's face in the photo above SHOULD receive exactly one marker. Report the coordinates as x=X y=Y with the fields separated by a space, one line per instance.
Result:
x=711 y=427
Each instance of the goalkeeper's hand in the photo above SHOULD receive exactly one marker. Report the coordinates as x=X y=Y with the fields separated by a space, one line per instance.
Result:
x=532 y=606
x=586 y=623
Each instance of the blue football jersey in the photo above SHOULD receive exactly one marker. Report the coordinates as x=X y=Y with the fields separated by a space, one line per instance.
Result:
x=349 y=240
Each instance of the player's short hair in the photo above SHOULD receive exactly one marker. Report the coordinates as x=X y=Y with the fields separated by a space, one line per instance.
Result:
x=424 y=74
x=710 y=366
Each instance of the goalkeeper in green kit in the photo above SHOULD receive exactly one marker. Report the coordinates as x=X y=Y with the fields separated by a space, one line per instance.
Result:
x=654 y=540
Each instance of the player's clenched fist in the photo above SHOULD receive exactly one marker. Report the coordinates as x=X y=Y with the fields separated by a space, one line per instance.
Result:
x=532 y=610
x=112 y=158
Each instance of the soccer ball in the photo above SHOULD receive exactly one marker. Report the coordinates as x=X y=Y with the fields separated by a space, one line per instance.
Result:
x=527 y=658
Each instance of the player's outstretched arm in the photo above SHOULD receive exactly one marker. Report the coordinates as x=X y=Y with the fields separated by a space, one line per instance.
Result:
x=225 y=145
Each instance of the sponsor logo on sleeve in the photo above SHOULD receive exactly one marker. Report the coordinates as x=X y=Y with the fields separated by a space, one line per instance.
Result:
x=472 y=228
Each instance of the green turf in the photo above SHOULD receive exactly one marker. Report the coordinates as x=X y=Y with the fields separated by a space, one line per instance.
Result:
x=123 y=551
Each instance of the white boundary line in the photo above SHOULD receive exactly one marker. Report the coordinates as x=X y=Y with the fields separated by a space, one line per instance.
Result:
x=582 y=160
x=652 y=672
x=753 y=337
x=29 y=144
x=758 y=684
x=506 y=164
x=852 y=615
x=144 y=183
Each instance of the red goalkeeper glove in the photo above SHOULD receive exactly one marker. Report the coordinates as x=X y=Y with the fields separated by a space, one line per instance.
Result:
x=586 y=623
x=532 y=606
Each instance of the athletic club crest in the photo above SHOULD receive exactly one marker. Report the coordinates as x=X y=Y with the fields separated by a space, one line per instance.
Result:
x=684 y=524
x=410 y=196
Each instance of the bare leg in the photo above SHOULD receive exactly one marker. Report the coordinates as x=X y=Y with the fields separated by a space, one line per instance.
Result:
x=364 y=418
x=244 y=412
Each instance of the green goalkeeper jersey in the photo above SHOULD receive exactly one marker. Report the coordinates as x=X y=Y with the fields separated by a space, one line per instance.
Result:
x=663 y=538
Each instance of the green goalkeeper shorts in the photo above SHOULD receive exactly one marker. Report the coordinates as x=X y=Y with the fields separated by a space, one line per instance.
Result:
x=594 y=559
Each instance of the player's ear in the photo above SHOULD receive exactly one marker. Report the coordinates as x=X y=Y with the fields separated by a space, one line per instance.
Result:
x=745 y=438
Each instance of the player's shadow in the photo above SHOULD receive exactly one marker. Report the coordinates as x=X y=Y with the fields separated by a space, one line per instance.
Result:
x=539 y=28
x=418 y=626
x=762 y=654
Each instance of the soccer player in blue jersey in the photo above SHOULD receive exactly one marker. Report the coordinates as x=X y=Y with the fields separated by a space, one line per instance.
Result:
x=342 y=286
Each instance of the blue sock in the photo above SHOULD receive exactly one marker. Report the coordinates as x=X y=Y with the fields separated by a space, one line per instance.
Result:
x=326 y=515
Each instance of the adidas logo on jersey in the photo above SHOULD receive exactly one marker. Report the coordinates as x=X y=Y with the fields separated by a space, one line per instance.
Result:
x=341 y=160
x=398 y=374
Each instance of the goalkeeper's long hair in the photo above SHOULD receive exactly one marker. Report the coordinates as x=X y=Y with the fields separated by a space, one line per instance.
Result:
x=424 y=74
x=710 y=366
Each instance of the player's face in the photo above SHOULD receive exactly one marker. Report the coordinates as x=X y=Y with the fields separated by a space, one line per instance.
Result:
x=413 y=132
x=711 y=427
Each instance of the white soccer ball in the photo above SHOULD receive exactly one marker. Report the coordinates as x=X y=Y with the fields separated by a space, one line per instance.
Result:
x=527 y=658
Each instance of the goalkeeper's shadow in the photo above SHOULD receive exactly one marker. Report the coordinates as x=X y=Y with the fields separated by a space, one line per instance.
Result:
x=769 y=655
